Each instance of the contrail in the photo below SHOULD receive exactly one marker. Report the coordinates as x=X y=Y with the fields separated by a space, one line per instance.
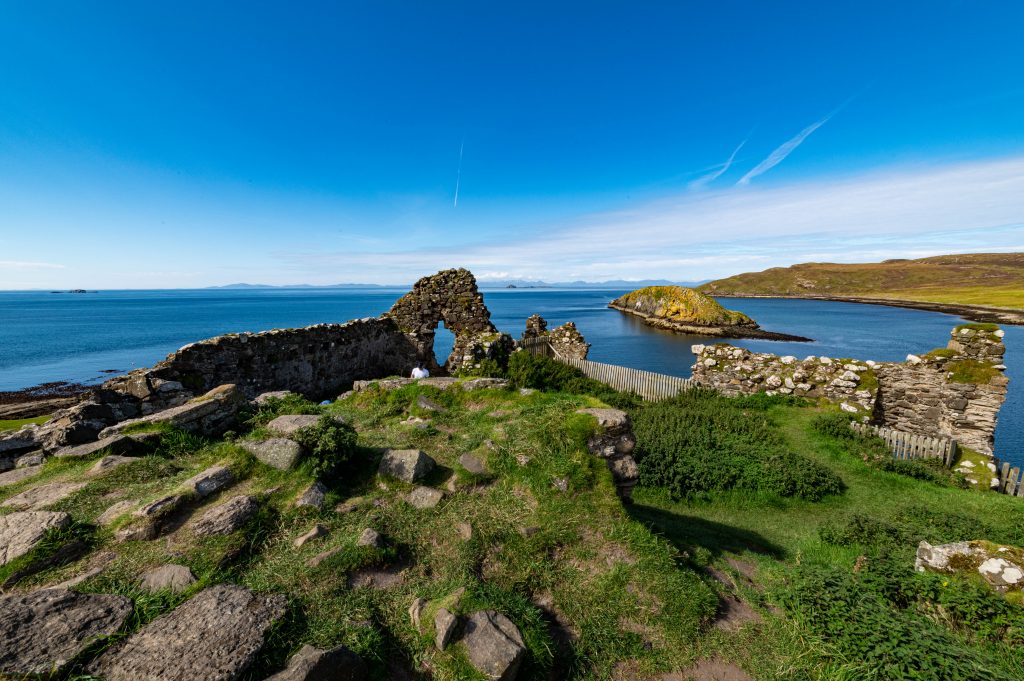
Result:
x=458 y=176
x=712 y=176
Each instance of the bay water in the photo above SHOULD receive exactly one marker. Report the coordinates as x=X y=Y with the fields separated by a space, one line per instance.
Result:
x=90 y=336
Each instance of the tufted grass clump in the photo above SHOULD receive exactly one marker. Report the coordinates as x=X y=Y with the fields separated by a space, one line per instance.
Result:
x=329 y=445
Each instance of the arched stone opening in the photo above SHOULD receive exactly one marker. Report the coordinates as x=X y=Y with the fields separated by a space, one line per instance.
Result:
x=450 y=297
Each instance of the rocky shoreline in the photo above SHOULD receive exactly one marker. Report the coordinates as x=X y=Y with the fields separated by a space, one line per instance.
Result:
x=737 y=331
x=982 y=314
x=40 y=400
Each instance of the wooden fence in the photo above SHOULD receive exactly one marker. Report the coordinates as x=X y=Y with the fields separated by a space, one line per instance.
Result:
x=646 y=384
x=1010 y=479
x=905 y=445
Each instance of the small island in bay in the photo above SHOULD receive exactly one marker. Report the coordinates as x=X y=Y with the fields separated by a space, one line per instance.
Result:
x=685 y=310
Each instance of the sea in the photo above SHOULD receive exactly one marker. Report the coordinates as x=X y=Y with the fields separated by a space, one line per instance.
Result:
x=88 y=337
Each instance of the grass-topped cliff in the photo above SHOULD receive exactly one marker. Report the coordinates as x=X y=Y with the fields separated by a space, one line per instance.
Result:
x=687 y=310
x=991 y=279
x=680 y=304
x=766 y=540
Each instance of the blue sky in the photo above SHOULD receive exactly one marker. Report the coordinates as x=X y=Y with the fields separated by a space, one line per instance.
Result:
x=147 y=145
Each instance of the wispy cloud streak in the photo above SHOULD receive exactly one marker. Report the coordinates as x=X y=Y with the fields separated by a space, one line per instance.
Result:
x=782 y=151
x=721 y=169
x=23 y=265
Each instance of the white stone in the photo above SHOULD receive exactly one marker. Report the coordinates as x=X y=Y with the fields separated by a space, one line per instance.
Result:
x=788 y=359
x=847 y=407
x=999 y=333
x=710 y=362
x=913 y=359
x=697 y=349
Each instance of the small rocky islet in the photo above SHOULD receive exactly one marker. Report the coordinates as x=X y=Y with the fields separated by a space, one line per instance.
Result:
x=688 y=311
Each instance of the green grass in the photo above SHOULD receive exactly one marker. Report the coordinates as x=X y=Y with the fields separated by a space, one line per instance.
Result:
x=15 y=424
x=971 y=371
x=628 y=582
x=937 y=279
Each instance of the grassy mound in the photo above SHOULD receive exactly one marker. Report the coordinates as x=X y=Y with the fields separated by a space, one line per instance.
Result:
x=682 y=305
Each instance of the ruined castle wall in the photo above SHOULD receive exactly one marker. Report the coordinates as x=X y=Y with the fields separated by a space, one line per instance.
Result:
x=926 y=395
x=316 y=361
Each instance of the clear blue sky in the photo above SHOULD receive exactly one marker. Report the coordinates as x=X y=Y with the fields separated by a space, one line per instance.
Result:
x=186 y=144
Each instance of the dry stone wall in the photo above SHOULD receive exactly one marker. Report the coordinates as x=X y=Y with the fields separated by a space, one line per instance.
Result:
x=952 y=392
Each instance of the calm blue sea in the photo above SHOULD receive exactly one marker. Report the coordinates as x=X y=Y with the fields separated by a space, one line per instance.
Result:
x=77 y=337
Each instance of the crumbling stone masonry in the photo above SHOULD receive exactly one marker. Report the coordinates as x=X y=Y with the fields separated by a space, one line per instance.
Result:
x=954 y=392
x=565 y=340
x=452 y=297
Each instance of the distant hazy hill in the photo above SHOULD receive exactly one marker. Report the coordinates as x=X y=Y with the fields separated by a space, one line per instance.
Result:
x=995 y=279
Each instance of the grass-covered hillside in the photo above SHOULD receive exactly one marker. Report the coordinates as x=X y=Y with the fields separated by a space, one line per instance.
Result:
x=995 y=279
x=765 y=540
x=680 y=304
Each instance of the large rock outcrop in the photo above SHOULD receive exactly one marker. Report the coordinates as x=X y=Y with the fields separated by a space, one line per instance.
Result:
x=685 y=310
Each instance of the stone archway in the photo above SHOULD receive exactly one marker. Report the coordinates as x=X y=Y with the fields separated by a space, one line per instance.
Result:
x=452 y=297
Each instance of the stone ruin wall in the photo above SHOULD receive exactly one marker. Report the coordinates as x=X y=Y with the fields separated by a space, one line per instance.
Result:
x=316 y=361
x=916 y=396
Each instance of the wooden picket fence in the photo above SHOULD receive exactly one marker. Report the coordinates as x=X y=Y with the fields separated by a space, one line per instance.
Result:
x=905 y=445
x=647 y=384
x=1011 y=480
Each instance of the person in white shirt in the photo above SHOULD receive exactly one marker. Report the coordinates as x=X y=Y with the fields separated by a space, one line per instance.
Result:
x=420 y=371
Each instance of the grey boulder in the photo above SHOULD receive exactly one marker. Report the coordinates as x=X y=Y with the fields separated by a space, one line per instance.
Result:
x=408 y=465
x=494 y=644
x=227 y=517
x=277 y=452
x=176 y=578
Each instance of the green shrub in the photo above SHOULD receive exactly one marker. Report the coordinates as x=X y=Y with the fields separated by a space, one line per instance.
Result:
x=543 y=373
x=487 y=368
x=329 y=444
x=833 y=424
x=862 y=529
x=856 y=615
x=700 y=442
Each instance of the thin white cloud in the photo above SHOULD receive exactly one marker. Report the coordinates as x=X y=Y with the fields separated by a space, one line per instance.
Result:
x=781 y=152
x=967 y=207
x=23 y=265
x=702 y=182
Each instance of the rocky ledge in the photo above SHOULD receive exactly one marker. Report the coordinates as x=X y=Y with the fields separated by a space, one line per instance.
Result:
x=685 y=310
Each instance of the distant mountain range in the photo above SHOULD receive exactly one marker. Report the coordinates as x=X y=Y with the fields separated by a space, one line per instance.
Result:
x=492 y=284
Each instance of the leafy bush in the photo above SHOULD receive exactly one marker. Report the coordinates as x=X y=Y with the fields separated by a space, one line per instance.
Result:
x=833 y=424
x=876 y=617
x=329 y=443
x=543 y=373
x=700 y=441
x=861 y=529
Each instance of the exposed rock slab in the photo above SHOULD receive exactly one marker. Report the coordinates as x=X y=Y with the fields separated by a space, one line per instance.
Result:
x=494 y=644
x=408 y=465
x=211 y=414
x=21 y=532
x=15 y=476
x=117 y=509
x=277 y=452
x=175 y=578
x=316 y=532
x=370 y=537
x=210 y=481
x=473 y=464
x=116 y=444
x=228 y=517
x=445 y=625
x=109 y=463
x=214 y=636
x=36 y=498
x=314 y=664
x=1000 y=565
x=41 y=631
x=290 y=424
